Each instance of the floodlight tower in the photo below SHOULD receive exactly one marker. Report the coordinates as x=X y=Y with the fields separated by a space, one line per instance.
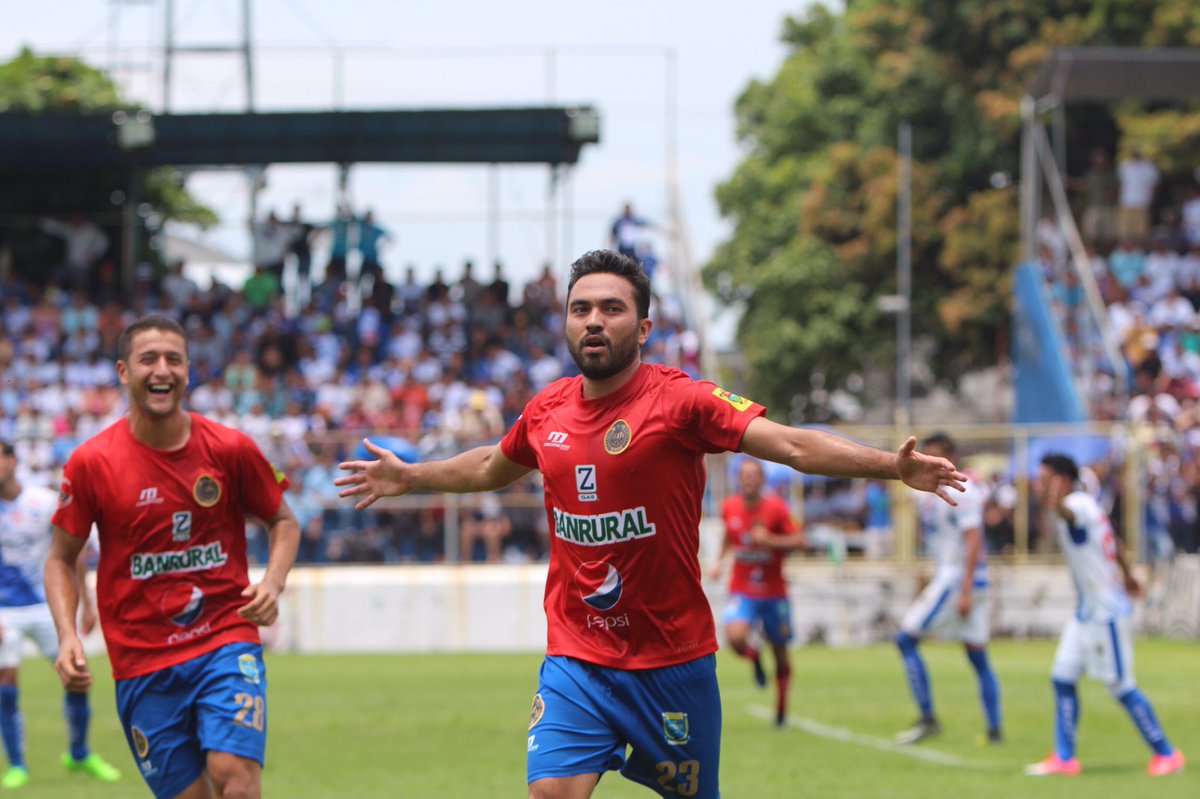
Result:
x=171 y=49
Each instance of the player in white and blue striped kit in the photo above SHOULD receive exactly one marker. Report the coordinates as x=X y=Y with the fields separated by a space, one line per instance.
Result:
x=25 y=513
x=955 y=604
x=1098 y=638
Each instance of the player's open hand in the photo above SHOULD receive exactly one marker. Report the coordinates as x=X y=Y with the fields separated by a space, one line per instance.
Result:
x=71 y=664
x=263 y=607
x=372 y=480
x=926 y=473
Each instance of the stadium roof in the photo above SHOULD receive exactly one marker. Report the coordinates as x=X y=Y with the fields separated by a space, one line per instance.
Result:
x=1115 y=73
x=57 y=143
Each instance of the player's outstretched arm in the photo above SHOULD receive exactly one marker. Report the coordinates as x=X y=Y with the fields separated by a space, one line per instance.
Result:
x=283 y=535
x=818 y=452
x=479 y=469
x=62 y=594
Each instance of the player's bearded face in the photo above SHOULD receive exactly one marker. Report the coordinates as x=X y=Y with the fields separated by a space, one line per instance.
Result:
x=604 y=333
x=156 y=372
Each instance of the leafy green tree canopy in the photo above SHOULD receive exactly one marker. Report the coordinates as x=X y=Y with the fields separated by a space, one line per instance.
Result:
x=814 y=201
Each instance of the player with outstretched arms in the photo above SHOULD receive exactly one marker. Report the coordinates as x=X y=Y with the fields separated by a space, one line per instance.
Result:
x=169 y=492
x=631 y=640
x=759 y=533
x=954 y=605
x=1098 y=639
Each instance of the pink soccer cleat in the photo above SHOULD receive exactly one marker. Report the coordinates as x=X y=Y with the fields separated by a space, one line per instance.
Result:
x=1054 y=766
x=1162 y=765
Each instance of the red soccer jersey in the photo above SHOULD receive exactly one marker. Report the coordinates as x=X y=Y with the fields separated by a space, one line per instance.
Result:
x=172 y=539
x=624 y=480
x=757 y=571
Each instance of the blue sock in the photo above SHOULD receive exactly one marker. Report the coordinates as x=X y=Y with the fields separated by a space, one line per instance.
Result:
x=1142 y=713
x=1066 y=719
x=79 y=714
x=989 y=686
x=918 y=678
x=11 y=726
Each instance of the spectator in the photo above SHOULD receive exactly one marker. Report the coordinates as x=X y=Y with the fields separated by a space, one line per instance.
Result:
x=627 y=230
x=85 y=244
x=1138 y=178
x=1099 y=187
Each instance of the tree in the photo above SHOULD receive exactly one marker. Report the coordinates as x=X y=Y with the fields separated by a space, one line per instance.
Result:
x=33 y=84
x=814 y=201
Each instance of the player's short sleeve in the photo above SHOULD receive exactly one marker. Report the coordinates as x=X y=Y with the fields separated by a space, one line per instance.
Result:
x=783 y=519
x=262 y=484
x=708 y=418
x=515 y=444
x=1085 y=511
x=76 y=512
x=970 y=508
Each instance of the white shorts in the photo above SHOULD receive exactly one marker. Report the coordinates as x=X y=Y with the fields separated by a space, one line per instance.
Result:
x=17 y=624
x=936 y=612
x=1102 y=649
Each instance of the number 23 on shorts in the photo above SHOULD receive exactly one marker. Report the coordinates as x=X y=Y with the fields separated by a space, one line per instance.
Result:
x=682 y=779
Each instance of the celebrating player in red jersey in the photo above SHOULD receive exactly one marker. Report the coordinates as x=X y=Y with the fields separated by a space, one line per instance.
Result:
x=759 y=532
x=169 y=492
x=630 y=656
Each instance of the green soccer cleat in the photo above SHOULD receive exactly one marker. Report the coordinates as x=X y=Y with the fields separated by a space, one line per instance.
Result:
x=15 y=777
x=93 y=765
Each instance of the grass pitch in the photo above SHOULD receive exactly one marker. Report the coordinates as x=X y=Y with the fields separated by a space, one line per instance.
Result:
x=455 y=726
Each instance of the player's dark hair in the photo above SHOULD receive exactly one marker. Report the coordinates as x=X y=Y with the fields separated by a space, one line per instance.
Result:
x=6 y=448
x=154 y=322
x=614 y=263
x=1060 y=464
x=940 y=439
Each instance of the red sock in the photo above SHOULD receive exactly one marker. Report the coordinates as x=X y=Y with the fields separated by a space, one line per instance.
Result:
x=782 y=684
x=749 y=653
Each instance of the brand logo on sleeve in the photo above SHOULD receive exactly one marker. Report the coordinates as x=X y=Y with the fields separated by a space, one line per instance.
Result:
x=739 y=403
x=148 y=496
x=557 y=440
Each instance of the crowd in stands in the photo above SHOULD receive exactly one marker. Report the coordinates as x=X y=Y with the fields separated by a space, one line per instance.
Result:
x=430 y=368
x=1143 y=245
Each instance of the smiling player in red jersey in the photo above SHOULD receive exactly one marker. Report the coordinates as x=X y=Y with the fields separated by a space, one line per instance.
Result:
x=631 y=640
x=169 y=492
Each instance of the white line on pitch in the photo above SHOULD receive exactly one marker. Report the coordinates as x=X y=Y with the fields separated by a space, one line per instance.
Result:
x=850 y=737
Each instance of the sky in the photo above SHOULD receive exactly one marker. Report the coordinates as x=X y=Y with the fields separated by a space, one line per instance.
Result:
x=617 y=56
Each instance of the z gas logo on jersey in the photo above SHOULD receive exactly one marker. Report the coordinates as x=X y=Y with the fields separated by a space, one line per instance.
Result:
x=604 y=528
x=585 y=482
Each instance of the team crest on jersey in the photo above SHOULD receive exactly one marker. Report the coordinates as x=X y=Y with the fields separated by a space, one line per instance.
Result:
x=618 y=437
x=141 y=745
x=538 y=710
x=64 y=499
x=248 y=666
x=675 y=728
x=207 y=491
x=740 y=403
x=600 y=584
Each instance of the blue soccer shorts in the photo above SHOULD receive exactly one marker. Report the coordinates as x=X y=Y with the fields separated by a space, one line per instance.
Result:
x=174 y=717
x=585 y=717
x=775 y=616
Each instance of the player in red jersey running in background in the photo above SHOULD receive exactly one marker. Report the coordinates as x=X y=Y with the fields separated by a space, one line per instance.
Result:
x=760 y=534
x=169 y=492
x=631 y=641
